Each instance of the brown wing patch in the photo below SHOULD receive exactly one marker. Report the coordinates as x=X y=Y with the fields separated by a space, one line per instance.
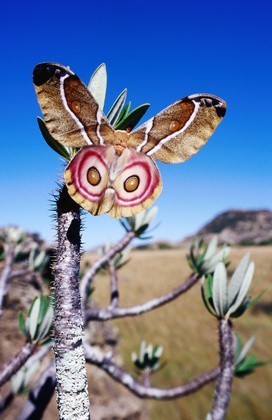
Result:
x=180 y=130
x=71 y=113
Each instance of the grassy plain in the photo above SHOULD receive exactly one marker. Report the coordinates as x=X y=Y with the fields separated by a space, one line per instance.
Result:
x=189 y=334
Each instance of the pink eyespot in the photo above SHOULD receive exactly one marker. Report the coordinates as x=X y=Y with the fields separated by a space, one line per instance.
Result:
x=89 y=172
x=137 y=182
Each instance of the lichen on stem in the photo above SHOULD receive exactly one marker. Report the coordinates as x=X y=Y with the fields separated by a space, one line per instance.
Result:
x=72 y=387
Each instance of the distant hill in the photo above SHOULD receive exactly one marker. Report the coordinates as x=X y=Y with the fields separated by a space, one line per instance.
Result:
x=239 y=227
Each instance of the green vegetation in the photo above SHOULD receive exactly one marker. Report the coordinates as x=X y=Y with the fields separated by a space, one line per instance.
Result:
x=184 y=329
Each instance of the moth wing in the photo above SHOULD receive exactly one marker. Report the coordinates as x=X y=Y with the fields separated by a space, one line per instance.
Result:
x=136 y=183
x=71 y=114
x=101 y=182
x=180 y=130
x=87 y=178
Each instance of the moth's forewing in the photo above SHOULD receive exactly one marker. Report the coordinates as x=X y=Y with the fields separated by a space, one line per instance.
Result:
x=71 y=114
x=180 y=130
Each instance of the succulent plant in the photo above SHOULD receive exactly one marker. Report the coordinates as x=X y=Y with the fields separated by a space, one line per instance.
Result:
x=20 y=380
x=119 y=260
x=228 y=299
x=38 y=258
x=204 y=258
x=246 y=364
x=139 y=223
x=149 y=357
x=38 y=323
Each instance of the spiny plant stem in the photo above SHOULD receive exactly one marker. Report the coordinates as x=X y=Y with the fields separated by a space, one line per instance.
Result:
x=222 y=391
x=72 y=386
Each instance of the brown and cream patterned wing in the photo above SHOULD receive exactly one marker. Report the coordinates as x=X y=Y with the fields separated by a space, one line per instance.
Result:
x=180 y=130
x=71 y=114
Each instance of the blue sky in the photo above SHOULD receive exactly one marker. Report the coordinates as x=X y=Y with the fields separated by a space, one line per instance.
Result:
x=161 y=51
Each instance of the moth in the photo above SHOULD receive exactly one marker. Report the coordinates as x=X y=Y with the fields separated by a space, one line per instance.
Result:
x=114 y=171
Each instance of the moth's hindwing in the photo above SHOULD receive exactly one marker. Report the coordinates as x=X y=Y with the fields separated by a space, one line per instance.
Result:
x=71 y=114
x=180 y=130
x=103 y=182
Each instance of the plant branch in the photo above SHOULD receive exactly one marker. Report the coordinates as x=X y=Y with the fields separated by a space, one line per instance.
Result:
x=14 y=364
x=114 y=287
x=72 y=386
x=6 y=275
x=120 y=375
x=104 y=259
x=22 y=273
x=224 y=382
x=6 y=400
x=102 y=314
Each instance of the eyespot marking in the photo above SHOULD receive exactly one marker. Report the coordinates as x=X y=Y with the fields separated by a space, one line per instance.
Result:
x=75 y=106
x=93 y=176
x=174 y=126
x=131 y=183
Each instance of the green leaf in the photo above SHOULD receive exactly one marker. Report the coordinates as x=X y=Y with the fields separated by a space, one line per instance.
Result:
x=117 y=107
x=220 y=289
x=236 y=279
x=21 y=322
x=54 y=144
x=17 y=381
x=141 y=230
x=98 y=85
x=33 y=318
x=246 y=282
x=30 y=372
x=252 y=302
x=239 y=346
x=151 y=214
x=203 y=294
x=242 y=308
x=211 y=248
x=45 y=326
x=210 y=264
x=245 y=349
x=132 y=118
x=31 y=305
x=27 y=327
x=40 y=260
x=158 y=350
x=248 y=362
x=43 y=307
x=123 y=114
x=209 y=285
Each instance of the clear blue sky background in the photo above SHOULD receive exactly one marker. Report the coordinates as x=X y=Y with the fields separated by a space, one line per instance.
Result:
x=161 y=51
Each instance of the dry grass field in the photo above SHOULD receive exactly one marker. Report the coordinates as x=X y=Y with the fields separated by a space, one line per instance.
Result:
x=189 y=334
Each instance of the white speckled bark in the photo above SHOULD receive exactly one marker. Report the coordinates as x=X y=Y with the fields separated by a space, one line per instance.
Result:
x=72 y=387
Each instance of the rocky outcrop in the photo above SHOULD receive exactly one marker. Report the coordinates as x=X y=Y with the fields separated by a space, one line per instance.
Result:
x=240 y=227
